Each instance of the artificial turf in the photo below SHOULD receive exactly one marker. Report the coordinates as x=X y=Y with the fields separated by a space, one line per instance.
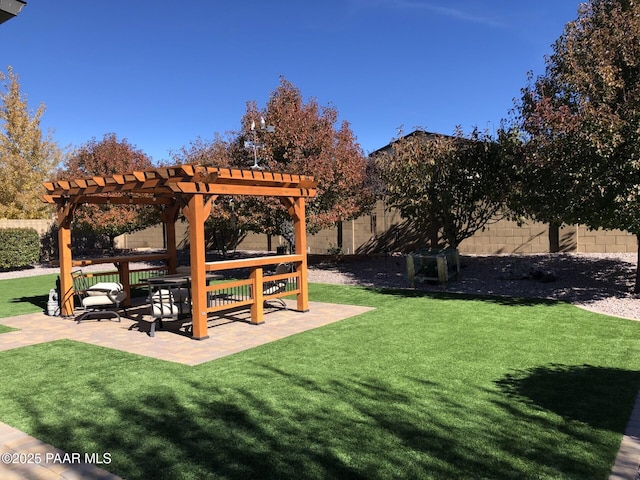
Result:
x=424 y=386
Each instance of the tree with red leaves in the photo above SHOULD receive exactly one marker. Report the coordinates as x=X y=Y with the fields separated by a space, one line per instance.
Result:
x=108 y=157
x=581 y=121
x=306 y=139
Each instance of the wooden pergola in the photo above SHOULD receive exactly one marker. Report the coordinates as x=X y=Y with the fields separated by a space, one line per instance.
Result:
x=191 y=189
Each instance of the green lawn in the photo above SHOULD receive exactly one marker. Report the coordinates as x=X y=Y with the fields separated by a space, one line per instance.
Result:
x=424 y=386
x=25 y=295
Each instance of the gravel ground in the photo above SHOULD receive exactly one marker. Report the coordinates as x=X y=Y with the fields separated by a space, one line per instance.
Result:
x=598 y=282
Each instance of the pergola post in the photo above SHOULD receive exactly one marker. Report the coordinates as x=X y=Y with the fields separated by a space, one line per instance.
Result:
x=65 y=216
x=300 y=232
x=195 y=213
x=257 y=307
x=169 y=218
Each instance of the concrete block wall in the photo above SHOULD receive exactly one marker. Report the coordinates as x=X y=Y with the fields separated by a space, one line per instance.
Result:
x=259 y=242
x=385 y=230
x=322 y=241
x=605 y=241
x=506 y=236
x=152 y=237
x=354 y=234
x=39 y=225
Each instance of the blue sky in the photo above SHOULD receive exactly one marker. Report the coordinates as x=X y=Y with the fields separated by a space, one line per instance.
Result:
x=163 y=73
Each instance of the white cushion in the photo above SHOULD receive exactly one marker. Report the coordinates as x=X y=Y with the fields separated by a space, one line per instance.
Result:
x=104 y=299
x=163 y=295
x=99 y=288
x=276 y=288
x=162 y=309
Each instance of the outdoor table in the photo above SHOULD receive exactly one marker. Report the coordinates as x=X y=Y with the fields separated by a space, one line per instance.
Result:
x=178 y=281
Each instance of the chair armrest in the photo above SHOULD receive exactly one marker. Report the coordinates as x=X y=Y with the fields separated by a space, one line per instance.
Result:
x=104 y=287
x=113 y=291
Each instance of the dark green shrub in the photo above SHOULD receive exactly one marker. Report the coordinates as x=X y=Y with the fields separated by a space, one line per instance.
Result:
x=82 y=243
x=19 y=247
x=49 y=244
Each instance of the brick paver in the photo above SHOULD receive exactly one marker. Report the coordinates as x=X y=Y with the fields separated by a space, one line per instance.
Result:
x=627 y=461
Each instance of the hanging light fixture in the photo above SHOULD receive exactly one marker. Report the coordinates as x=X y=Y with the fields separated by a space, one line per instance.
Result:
x=253 y=144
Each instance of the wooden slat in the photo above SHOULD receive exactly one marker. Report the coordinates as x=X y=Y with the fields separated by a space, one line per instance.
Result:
x=128 y=258
x=218 y=189
x=229 y=306
x=281 y=294
x=252 y=262
x=190 y=173
x=214 y=287
x=140 y=176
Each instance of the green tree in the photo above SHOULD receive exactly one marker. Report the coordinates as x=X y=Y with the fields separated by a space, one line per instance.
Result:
x=458 y=183
x=581 y=121
x=108 y=157
x=26 y=157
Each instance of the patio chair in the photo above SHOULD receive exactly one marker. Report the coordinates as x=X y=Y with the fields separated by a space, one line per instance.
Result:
x=276 y=286
x=98 y=300
x=166 y=303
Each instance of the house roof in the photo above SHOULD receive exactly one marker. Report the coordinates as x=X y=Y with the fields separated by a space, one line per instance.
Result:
x=416 y=133
x=10 y=8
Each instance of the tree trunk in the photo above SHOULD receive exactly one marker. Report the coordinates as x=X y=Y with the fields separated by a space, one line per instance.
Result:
x=636 y=289
x=554 y=237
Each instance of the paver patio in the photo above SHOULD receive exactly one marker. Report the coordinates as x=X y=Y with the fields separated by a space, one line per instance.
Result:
x=229 y=334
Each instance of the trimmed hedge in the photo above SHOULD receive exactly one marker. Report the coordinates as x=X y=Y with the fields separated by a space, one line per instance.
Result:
x=19 y=247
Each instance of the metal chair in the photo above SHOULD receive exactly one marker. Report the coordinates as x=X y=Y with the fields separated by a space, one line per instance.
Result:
x=99 y=299
x=277 y=286
x=167 y=303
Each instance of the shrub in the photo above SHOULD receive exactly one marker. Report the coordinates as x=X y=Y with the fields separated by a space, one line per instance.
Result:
x=19 y=247
x=335 y=250
x=49 y=244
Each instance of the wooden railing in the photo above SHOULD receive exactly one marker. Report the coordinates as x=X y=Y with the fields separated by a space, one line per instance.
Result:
x=223 y=295
x=232 y=294
x=137 y=276
x=125 y=275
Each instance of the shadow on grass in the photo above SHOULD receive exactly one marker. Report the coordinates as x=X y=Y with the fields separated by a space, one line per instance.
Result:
x=39 y=301
x=348 y=428
x=585 y=393
x=497 y=299
x=579 y=278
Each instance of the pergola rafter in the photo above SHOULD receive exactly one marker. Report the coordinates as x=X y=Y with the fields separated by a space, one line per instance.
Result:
x=192 y=189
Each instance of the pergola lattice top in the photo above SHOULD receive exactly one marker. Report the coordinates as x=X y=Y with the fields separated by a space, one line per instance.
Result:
x=160 y=185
